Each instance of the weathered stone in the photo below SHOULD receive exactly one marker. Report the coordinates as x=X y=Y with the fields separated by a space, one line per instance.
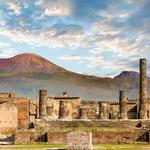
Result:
x=42 y=103
x=8 y=116
x=143 y=90
x=69 y=107
x=22 y=138
x=56 y=137
x=123 y=105
x=79 y=141
x=103 y=110
x=83 y=114
x=61 y=110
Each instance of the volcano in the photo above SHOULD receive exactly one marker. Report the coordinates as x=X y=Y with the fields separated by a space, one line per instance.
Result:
x=29 y=63
x=27 y=73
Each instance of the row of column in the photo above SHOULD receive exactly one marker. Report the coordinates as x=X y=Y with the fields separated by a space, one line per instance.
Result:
x=142 y=113
x=42 y=105
x=103 y=109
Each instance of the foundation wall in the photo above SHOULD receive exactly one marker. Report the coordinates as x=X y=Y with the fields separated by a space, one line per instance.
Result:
x=98 y=137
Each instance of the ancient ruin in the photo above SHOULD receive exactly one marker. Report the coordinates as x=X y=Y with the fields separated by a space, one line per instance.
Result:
x=50 y=119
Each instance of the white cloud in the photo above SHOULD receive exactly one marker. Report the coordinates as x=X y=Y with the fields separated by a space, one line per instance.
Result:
x=6 y=50
x=2 y=22
x=70 y=58
x=7 y=53
x=100 y=62
x=55 y=8
x=70 y=39
x=14 y=6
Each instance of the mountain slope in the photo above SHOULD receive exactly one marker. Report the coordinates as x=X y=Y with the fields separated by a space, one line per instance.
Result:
x=128 y=75
x=28 y=63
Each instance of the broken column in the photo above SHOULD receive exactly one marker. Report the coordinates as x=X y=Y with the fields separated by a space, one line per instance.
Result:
x=61 y=110
x=123 y=105
x=103 y=110
x=42 y=103
x=143 y=90
x=83 y=114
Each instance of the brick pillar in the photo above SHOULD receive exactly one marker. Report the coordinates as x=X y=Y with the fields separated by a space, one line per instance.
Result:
x=123 y=105
x=143 y=90
x=42 y=103
x=103 y=110
x=83 y=114
x=61 y=110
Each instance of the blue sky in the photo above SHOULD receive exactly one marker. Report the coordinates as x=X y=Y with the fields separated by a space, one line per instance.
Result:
x=99 y=37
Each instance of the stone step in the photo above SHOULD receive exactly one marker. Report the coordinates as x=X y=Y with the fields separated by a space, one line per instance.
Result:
x=6 y=143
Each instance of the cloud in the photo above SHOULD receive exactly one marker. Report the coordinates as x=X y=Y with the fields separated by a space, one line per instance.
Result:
x=6 y=51
x=70 y=58
x=14 y=6
x=55 y=8
x=56 y=36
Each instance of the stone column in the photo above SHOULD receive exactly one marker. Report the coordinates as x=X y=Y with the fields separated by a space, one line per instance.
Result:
x=143 y=90
x=61 y=110
x=103 y=113
x=123 y=105
x=83 y=114
x=42 y=103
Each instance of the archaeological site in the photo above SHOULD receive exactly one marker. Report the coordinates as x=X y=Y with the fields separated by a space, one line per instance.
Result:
x=52 y=119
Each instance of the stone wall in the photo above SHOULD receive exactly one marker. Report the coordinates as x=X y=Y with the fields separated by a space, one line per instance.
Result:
x=33 y=111
x=114 y=137
x=8 y=116
x=62 y=125
x=56 y=137
x=71 y=105
x=30 y=137
x=22 y=105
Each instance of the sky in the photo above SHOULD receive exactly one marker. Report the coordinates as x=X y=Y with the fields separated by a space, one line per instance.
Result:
x=96 y=37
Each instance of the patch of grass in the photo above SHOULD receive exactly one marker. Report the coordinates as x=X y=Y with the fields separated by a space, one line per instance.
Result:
x=93 y=129
x=121 y=147
x=96 y=147
x=31 y=146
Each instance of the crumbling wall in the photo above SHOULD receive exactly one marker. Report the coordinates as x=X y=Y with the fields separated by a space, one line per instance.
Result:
x=113 y=137
x=8 y=116
x=22 y=105
x=33 y=112
x=71 y=107
x=56 y=137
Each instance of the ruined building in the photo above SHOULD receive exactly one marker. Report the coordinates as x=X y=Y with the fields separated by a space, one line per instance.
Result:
x=67 y=107
x=22 y=113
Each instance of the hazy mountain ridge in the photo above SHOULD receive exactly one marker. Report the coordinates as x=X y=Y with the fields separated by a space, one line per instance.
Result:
x=27 y=73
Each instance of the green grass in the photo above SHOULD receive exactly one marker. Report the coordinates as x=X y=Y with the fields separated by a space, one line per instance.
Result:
x=31 y=146
x=96 y=147
x=121 y=147
x=92 y=129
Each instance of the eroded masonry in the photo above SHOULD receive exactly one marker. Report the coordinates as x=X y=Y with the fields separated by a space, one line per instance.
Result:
x=50 y=119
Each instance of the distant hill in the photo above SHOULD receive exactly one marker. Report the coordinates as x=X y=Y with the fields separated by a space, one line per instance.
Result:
x=25 y=74
x=128 y=75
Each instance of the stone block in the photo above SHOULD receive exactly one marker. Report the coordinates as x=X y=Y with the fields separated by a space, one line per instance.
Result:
x=22 y=138
x=79 y=141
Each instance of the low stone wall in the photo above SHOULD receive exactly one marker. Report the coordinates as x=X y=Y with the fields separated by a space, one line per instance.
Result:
x=58 y=125
x=56 y=137
x=22 y=138
x=30 y=137
x=61 y=137
x=113 y=137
